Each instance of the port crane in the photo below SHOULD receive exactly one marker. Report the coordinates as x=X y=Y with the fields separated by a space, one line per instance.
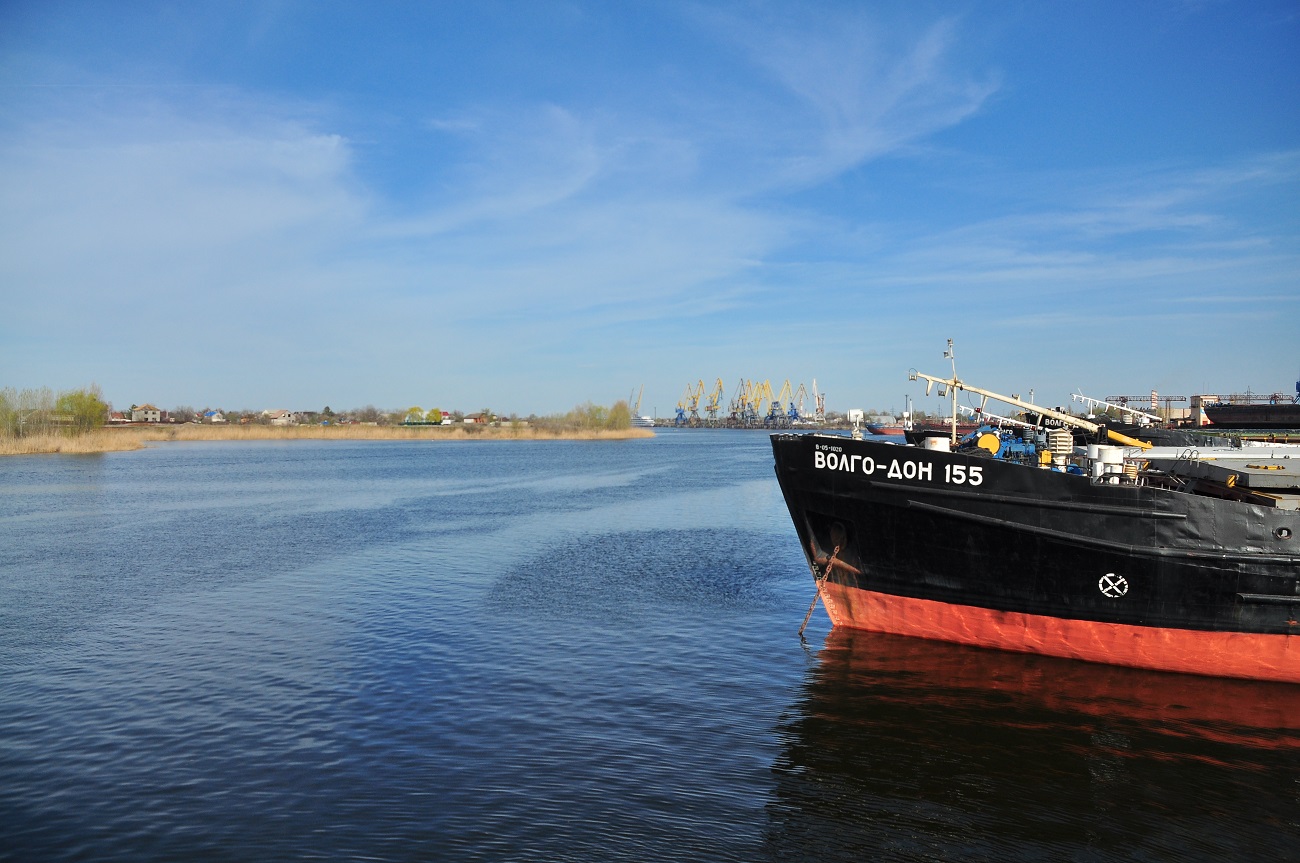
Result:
x=753 y=404
x=776 y=412
x=688 y=408
x=747 y=403
x=795 y=411
x=714 y=403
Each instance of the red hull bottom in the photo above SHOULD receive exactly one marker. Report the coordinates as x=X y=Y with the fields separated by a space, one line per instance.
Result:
x=1216 y=654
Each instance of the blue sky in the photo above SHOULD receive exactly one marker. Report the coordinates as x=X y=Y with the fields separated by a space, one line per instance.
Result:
x=529 y=205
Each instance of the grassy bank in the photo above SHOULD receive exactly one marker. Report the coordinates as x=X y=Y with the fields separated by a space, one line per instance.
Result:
x=136 y=437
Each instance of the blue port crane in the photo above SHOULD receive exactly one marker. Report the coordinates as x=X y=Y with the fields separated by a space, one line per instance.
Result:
x=795 y=410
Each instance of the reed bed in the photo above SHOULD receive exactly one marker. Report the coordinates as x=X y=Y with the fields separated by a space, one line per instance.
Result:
x=136 y=437
x=87 y=443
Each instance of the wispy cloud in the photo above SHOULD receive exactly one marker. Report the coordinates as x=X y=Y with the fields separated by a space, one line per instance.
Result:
x=848 y=89
x=518 y=164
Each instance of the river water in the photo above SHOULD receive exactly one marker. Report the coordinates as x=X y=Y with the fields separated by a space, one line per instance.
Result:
x=578 y=651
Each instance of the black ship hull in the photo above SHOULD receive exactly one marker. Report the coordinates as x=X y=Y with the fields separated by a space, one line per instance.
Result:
x=973 y=550
x=1256 y=416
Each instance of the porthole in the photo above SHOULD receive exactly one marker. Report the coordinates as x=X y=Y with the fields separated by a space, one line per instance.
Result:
x=1282 y=533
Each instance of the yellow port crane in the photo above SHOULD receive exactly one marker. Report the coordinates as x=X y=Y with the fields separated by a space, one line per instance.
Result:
x=760 y=395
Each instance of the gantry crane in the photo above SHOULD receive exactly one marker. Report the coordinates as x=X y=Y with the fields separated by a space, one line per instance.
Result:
x=1168 y=401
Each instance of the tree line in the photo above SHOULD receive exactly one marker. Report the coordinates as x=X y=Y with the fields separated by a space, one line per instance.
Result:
x=43 y=411
x=586 y=416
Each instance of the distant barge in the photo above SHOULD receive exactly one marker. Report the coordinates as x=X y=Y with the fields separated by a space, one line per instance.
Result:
x=1255 y=412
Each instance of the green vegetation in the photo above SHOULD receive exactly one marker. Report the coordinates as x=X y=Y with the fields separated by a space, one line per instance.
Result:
x=28 y=412
x=619 y=417
x=590 y=417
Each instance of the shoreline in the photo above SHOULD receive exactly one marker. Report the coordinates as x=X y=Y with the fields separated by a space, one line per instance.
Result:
x=134 y=438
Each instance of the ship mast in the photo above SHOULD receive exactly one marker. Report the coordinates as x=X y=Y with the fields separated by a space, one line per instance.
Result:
x=950 y=355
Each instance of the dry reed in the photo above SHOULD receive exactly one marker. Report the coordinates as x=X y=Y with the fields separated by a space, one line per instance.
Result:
x=136 y=437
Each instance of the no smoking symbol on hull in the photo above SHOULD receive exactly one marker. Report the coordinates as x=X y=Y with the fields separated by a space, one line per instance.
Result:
x=1113 y=585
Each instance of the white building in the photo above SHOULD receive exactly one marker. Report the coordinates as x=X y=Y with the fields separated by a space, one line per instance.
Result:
x=145 y=414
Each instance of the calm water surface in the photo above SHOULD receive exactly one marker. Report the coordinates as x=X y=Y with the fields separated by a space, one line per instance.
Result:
x=549 y=651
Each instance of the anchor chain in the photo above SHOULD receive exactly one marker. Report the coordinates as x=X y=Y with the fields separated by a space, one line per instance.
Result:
x=818 y=580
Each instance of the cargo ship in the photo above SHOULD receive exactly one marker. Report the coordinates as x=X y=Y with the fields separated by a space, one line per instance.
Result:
x=1113 y=552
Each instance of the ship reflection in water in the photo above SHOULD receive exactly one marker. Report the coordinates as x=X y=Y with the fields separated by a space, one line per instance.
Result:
x=907 y=749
